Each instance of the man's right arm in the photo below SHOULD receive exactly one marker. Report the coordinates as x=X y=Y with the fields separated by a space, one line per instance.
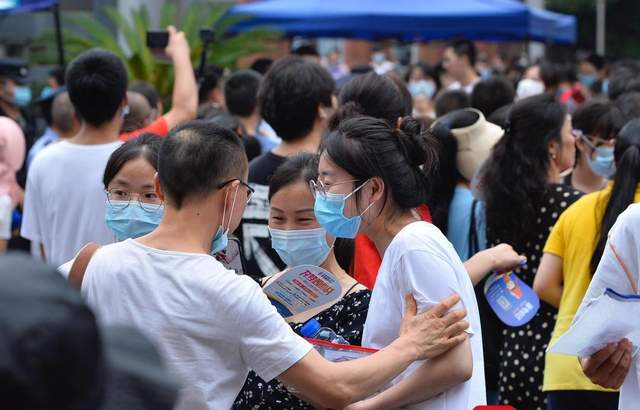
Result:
x=184 y=100
x=335 y=385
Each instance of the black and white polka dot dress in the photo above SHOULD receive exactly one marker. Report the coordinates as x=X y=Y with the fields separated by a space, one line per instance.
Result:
x=346 y=318
x=522 y=349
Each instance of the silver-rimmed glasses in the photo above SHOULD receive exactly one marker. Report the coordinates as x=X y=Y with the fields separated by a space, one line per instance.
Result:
x=120 y=199
x=319 y=188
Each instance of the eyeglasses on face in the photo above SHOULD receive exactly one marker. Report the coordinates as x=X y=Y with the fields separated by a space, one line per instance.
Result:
x=120 y=199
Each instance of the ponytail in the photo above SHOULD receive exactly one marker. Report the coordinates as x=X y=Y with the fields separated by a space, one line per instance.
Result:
x=627 y=154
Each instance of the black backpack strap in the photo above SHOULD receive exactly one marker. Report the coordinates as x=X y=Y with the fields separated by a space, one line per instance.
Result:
x=474 y=244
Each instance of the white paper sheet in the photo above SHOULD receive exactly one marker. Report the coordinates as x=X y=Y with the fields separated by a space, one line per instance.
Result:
x=607 y=319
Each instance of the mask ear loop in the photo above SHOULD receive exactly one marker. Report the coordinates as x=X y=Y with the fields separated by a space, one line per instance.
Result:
x=356 y=190
x=233 y=206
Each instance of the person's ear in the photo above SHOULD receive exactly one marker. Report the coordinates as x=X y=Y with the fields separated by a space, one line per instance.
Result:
x=377 y=189
x=323 y=112
x=158 y=187
x=554 y=150
x=582 y=146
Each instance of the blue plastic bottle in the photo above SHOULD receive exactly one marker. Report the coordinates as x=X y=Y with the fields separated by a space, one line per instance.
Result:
x=313 y=330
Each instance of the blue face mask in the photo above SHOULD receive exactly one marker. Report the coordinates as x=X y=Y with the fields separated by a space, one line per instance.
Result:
x=587 y=79
x=221 y=238
x=301 y=247
x=131 y=221
x=21 y=96
x=46 y=92
x=604 y=164
x=422 y=87
x=329 y=212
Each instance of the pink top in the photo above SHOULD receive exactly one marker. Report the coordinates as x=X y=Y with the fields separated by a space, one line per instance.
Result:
x=12 y=151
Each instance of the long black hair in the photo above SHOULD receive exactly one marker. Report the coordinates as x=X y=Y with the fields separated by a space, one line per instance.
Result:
x=445 y=177
x=625 y=184
x=515 y=176
x=403 y=158
x=147 y=146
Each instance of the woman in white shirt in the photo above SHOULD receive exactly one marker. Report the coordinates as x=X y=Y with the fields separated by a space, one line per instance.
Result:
x=371 y=179
x=615 y=366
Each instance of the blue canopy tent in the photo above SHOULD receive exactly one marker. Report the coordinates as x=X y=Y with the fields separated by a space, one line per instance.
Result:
x=411 y=20
x=8 y=7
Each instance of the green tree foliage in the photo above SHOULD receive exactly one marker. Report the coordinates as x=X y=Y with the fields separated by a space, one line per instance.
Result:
x=83 y=32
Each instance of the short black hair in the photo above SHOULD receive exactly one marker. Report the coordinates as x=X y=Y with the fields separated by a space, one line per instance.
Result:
x=451 y=100
x=599 y=118
x=97 y=85
x=208 y=82
x=490 y=94
x=375 y=95
x=629 y=104
x=300 y=167
x=196 y=157
x=463 y=47
x=57 y=73
x=290 y=95
x=241 y=92
x=262 y=65
x=553 y=74
x=596 y=60
x=624 y=78
x=149 y=91
x=147 y=146
x=305 y=50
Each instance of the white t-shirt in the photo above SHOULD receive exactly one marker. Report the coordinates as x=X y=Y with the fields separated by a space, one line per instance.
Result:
x=421 y=261
x=65 y=200
x=624 y=236
x=467 y=88
x=6 y=217
x=210 y=325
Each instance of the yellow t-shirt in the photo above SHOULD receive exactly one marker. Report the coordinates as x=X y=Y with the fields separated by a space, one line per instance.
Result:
x=573 y=239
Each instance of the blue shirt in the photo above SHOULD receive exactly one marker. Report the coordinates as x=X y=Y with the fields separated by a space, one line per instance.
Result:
x=459 y=222
x=267 y=137
x=47 y=138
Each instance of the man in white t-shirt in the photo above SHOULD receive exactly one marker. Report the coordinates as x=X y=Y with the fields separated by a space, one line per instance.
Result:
x=65 y=200
x=212 y=325
x=459 y=61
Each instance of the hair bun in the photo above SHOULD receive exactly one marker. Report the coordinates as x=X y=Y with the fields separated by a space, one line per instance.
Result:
x=413 y=140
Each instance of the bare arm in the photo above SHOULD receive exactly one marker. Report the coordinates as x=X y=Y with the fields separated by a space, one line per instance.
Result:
x=335 y=385
x=184 y=100
x=44 y=255
x=548 y=280
x=432 y=378
x=500 y=258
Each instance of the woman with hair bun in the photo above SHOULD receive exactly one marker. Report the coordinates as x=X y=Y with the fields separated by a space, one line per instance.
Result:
x=372 y=177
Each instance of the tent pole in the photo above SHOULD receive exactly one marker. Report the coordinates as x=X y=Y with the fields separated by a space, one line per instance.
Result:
x=58 y=26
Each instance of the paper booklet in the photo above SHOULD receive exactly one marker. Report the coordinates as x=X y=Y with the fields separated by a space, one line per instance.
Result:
x=340 y=353
x=301 y=288
x=607 y=319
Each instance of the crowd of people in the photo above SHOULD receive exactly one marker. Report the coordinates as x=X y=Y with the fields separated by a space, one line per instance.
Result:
x=409 y=184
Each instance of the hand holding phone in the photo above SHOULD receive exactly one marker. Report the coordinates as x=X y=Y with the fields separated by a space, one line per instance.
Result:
x=157 y=40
